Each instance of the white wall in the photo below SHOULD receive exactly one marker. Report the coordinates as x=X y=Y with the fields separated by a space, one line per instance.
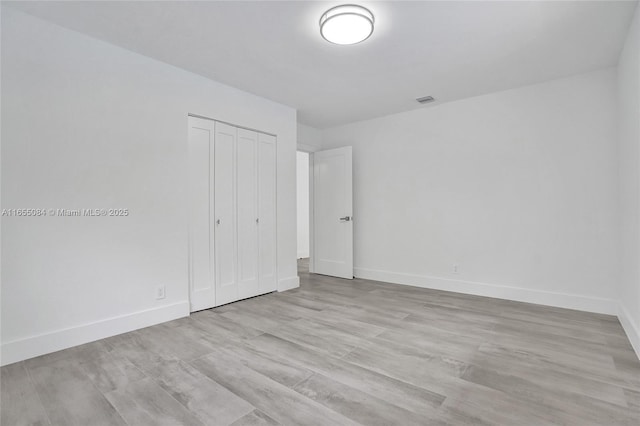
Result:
x=309 y=138
x=303 y=204
x=90 y=125
x=629 y=137
x=518 y=188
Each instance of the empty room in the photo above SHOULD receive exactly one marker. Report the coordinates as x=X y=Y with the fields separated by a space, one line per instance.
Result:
x=320 y=213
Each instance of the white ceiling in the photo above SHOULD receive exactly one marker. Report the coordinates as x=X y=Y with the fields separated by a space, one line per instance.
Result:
x=450 y=50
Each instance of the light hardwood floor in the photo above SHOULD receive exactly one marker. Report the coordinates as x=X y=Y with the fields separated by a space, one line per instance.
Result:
x=337 y=352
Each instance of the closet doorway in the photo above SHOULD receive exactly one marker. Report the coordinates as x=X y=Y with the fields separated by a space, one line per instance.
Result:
x=232 y=213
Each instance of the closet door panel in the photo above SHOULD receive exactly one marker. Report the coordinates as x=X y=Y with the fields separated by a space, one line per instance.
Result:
x=267 y=212
x=201 y=273
x=225 y=213
x=247 y=175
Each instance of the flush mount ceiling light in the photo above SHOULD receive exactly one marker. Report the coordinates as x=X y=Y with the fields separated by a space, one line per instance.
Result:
x=346 y=24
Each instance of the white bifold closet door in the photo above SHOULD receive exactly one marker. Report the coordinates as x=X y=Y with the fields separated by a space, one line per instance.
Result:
x=201 y=262
x=267 y=212
x=248 y=221
x=224 y=195
x=232 y=219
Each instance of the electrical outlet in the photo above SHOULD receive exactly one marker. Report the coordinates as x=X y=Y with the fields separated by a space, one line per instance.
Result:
x=160 y=292
x=456 y=268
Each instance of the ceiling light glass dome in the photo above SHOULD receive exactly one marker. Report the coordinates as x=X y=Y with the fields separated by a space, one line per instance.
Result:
x=346 y=24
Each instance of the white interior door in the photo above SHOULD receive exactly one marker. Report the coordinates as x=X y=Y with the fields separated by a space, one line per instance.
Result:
x=225 y=213
x=247 y=175
x=267 y=211
x=332 y=213
x=201 y=273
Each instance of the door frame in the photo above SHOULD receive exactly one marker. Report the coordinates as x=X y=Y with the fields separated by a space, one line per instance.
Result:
x=312 y=264
x=310 y=149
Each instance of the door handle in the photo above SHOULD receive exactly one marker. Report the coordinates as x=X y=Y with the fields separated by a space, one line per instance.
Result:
x=218 y=222
x=345 y=219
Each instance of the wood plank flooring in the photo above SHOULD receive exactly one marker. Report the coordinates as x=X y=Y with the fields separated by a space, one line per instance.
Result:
x=338 y=352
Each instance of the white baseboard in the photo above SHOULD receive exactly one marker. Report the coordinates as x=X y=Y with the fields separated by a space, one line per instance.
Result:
x=288 y=283
x=560 y=300
x=33 y=346
x=631 y=328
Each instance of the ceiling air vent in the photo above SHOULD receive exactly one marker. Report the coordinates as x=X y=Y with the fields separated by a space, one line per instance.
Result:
x=425 y=99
